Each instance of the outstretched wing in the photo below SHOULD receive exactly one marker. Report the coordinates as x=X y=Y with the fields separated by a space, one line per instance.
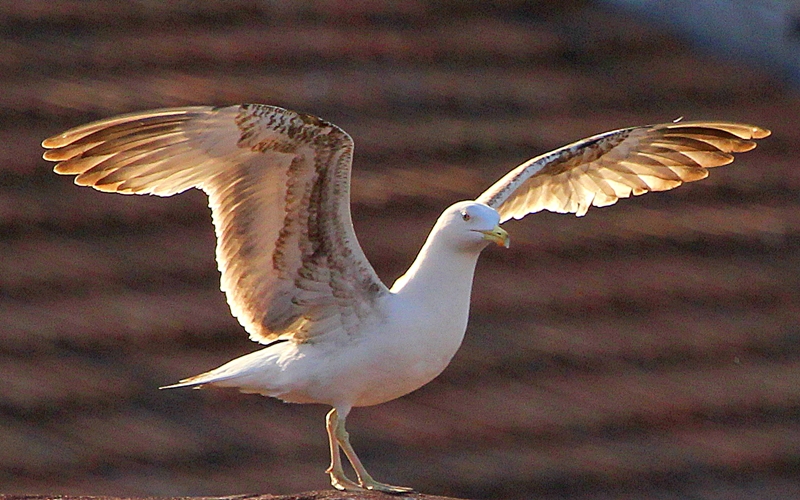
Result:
x=600 y=170
x=278 y=184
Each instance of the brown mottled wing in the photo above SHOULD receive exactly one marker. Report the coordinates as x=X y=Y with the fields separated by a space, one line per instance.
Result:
x=278 y=184
x=600 y=170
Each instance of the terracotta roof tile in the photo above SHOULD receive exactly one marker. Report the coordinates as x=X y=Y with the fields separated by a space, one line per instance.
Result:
x=648 y=350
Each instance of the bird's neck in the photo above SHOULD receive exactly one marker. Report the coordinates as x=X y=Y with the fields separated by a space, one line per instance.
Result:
x=437 y=270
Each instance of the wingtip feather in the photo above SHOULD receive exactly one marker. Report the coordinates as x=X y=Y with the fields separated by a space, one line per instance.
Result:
x=760 y=132
x=55 y=141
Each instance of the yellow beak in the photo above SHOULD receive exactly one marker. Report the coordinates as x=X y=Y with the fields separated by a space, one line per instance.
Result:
x=497 y=235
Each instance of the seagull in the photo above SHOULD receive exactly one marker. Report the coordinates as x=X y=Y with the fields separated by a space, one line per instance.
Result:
x=294 y=275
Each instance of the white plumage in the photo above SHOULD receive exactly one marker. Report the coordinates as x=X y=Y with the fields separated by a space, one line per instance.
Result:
x=295 y=277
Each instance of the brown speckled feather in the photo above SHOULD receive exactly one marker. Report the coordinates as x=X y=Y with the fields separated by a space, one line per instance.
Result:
x=600 y=170
x=278 y=184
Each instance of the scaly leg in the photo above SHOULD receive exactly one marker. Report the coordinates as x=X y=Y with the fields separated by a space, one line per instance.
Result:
x=365 y=481
x=338 y=478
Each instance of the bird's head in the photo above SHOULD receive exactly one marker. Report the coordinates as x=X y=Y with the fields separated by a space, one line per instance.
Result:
x=470 y=226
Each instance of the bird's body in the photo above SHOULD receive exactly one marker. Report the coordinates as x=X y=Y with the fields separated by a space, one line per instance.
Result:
x=404 y=346
x=388 y=359
x=292 y=269
x=411 y=337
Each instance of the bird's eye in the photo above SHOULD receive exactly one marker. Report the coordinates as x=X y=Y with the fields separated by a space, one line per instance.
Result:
x=465 y=215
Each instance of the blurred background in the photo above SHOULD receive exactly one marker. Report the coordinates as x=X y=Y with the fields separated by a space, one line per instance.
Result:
x=650 y=350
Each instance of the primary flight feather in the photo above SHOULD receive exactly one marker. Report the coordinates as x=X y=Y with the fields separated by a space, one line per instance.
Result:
x=278 y=184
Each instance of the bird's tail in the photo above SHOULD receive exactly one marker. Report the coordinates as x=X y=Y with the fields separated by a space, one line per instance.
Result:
x=256 y=372
x=198 y=381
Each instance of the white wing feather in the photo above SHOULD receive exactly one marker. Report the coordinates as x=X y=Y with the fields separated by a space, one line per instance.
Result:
x=600 y=170
x=278 y=184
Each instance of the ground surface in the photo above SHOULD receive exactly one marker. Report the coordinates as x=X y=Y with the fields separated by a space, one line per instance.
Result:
x=308 y=495
x=649 y=350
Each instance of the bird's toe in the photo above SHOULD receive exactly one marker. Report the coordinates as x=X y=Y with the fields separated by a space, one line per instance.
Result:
x=386 y=488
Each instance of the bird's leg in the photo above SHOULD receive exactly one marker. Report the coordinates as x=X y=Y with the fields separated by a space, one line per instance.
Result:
x=364 y=479
x=338 y=478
